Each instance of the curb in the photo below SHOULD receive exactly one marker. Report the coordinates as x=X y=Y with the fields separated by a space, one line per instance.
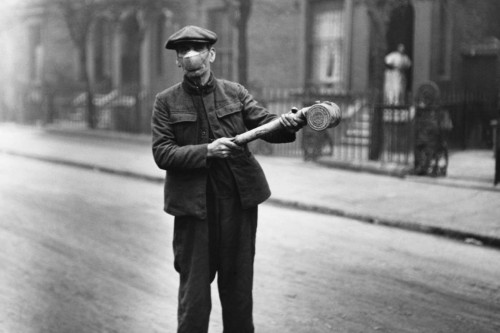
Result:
x=86 y=166
x=375 y=168
x=457 y=183
x=372 y=168
x=466 y=237
x=100 y=134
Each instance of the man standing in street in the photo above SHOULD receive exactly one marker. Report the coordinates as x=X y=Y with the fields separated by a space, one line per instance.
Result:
x=213 y=186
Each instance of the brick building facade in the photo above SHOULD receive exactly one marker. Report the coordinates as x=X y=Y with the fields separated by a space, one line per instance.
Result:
x=328 y=44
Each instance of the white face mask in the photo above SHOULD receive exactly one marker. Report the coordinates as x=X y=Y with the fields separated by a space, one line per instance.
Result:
x=192 y=60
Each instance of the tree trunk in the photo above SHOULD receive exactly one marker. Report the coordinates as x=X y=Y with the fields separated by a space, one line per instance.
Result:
x=142 y=20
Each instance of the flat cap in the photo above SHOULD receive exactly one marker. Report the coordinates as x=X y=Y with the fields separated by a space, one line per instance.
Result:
x=191 y=33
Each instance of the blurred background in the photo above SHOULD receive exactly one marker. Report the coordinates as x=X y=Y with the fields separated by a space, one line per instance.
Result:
x=99 y=63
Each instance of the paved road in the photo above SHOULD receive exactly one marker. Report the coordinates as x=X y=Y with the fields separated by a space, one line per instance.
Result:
x=84 y=251
x=469 y=212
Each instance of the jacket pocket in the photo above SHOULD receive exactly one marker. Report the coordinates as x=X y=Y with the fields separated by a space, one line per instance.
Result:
x=231 y=118
x=181 y=117
x=228 y=110
x=251 y=180
x=184 y=126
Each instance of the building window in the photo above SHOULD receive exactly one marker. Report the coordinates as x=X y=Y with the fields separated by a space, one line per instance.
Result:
x=327 y=43
x=218 y=21
x=36 y=52
x=99 y=51
x=130 y=51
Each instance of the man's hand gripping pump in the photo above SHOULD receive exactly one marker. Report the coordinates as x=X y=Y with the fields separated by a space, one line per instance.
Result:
x=319 y=117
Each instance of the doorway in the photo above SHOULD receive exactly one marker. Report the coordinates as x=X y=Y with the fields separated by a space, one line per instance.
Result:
x=401 y=31
x=480 y=88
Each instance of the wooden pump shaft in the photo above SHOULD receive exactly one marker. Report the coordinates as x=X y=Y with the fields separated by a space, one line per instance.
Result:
x=319 y=117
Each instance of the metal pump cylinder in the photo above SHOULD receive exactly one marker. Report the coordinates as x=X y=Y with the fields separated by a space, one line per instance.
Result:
x=323 y=115
x=319 y=117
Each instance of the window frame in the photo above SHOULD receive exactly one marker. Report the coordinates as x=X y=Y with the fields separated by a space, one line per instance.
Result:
x=339 y=81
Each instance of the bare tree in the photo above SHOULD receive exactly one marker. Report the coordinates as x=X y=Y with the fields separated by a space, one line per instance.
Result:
x=79 y=16
x=240 y=12
x=143 y=11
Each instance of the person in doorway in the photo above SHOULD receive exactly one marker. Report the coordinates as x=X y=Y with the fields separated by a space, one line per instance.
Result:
x=397 y=64
x=213 y=186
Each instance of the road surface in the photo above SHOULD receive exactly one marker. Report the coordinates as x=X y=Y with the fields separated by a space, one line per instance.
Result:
x=84 y=251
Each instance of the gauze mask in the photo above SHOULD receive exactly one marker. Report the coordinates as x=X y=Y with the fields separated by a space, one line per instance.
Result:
x=192 y=60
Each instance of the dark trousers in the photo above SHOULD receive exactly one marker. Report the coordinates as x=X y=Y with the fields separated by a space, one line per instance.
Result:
x=222 y=244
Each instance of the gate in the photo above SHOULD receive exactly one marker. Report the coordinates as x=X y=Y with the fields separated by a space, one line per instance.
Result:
x=369 y=133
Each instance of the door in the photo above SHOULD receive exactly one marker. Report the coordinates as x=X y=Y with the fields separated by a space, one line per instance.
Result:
x=480 y=89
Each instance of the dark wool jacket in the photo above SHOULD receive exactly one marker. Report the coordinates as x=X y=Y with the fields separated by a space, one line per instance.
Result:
x=180 y=142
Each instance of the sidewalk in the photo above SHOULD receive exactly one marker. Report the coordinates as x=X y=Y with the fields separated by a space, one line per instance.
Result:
x=465 y=205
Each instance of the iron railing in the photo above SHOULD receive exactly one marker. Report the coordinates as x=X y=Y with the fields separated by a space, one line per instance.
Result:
x=355 y=138
x=370 y=132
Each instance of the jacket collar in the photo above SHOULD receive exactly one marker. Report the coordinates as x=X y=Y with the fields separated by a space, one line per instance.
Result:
x=193 y=89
